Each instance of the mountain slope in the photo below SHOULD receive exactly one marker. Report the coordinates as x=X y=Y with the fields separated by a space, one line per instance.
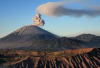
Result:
x=89 y=40
x=88 y=37
x=34 y=37
x=26 y=32
x=56 y=44
x=24 y=37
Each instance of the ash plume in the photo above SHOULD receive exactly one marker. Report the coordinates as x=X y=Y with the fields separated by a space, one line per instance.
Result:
x=38 y=21
x=57 y=9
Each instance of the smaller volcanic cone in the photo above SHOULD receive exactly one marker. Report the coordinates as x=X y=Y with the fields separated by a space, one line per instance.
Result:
x=38 y=21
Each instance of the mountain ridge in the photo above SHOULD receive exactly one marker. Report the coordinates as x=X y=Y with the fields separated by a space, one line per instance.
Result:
x=86 y=37
x=34 y=37
x=78 y=58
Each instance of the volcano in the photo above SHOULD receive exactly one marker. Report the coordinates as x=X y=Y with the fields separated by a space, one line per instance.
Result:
x=25 y=36
x=34 y=37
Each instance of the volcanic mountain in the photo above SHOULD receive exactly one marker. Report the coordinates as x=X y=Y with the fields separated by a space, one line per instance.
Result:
x=34 y=37
x=24 y=37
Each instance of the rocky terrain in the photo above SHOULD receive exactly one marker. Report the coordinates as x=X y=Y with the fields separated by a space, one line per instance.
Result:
x=78 y=58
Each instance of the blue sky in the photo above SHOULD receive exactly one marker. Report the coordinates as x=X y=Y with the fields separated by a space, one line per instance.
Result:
x=17 y=13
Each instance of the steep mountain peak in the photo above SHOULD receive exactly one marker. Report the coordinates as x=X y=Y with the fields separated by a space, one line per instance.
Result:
x=25 y=36
x=31 y=29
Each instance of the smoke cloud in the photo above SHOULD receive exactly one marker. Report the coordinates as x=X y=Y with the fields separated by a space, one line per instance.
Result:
x=38 y=20
x=57 y=9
